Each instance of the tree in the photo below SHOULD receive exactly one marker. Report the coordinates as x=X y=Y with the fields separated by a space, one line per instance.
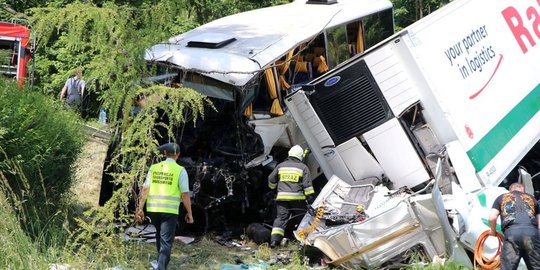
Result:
x=407 y=12
x=108 y=41
x=208 y=10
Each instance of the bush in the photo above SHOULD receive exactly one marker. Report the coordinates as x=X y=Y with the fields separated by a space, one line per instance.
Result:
x=39 y=142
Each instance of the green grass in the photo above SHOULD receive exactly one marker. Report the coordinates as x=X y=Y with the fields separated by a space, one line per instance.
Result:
x=18 y=251
x=208 y=254
x=22 y=253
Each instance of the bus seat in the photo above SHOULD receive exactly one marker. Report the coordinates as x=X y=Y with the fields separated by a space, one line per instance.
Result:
x=352 y=50
x=309 y=57
x=319 y=51
x=278 y=64
x=316 y=61
x=303 y=72
x=298 y=58
x=322 y=67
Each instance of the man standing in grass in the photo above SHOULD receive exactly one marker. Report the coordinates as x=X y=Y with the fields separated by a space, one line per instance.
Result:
x=165 y=187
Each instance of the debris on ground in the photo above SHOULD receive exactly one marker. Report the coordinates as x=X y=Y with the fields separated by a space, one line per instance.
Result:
x=184 y=239
x=243 y=266
x=147 y=233
x=59 y=266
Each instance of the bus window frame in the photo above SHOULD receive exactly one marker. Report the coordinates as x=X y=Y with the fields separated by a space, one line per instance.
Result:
x=329 y=56
x=362 y=21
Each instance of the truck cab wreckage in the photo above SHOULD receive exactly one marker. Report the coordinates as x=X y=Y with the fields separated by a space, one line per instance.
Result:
x=421 y=133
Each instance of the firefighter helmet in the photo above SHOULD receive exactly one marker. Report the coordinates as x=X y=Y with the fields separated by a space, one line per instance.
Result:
x=296 y=151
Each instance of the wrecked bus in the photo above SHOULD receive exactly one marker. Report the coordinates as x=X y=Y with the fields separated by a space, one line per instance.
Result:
x=421 y=133
x=245 y=63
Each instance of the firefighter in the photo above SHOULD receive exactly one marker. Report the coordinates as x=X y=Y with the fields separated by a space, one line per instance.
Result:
x=291 y=177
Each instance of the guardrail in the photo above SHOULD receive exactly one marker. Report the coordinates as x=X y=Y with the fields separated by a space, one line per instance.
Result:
x=97 y=133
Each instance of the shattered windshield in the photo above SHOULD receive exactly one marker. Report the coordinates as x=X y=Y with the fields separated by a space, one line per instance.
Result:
x=208 y=86
x=177 y=78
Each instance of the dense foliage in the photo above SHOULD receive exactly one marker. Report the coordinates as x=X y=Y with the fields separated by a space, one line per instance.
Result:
x=135 y=148
x=39 y=142
x=108 y=42
x=407 y=12
x=107 y=38
x=208 y=10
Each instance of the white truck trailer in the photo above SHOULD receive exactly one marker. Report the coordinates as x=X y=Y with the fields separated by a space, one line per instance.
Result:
x=418 y=134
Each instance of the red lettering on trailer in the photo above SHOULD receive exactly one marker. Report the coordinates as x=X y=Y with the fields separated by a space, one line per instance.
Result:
x=521 y=30
x=489 y=80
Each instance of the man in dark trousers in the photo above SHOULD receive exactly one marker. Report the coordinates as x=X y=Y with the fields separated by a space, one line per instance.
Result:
x=291 y=177
x=165 y=187
x=73 y=91
x=519 y=213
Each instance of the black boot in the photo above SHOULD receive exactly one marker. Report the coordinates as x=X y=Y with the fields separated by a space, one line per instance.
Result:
x=274 y=243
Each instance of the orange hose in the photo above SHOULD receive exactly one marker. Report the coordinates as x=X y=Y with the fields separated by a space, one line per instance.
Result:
x=483 y=262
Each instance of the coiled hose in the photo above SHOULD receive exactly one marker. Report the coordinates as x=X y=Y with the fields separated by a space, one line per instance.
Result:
x=315 y=222
x=480 y=259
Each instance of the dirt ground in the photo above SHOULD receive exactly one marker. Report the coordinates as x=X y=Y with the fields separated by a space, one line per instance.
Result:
x=206 y=253
x=88 y=171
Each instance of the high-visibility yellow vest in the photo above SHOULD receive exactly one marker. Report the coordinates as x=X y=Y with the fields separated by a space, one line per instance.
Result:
x=164 y=192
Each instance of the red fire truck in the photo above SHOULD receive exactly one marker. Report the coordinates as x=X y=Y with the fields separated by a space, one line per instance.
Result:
x=15 y=51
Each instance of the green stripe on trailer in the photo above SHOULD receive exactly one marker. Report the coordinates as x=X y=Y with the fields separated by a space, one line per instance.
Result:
x=482 y=199
x=497 y=227
x=492 y=143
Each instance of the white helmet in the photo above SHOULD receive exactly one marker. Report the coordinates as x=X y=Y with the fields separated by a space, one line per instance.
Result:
x=296 y=151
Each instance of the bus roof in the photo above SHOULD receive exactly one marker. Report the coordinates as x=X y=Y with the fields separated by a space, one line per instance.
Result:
x=260 y=37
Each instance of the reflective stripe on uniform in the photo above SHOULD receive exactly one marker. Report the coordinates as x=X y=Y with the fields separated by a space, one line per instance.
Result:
x=292 y=169
x=290 y=196
x=160 y=205
x=309 y=190
x=277 y=230
x=167 y=198
x=290 y=174
x=290 y=193
x=272 y=186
